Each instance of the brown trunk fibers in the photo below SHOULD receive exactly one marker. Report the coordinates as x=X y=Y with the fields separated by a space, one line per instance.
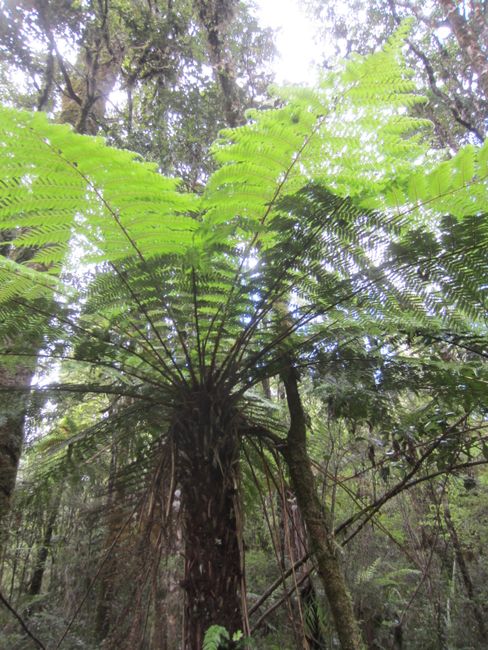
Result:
x=321 y=539
x=207 y=455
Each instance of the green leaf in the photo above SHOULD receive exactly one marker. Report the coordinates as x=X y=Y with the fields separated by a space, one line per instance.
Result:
x=214 y=637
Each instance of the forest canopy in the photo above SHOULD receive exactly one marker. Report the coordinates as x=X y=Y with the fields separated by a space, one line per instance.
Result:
x=243 y=336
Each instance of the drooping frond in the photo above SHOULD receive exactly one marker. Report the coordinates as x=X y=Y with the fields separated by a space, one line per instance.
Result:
x=457 y=186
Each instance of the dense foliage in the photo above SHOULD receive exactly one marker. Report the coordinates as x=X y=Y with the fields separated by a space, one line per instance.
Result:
x=308 y=330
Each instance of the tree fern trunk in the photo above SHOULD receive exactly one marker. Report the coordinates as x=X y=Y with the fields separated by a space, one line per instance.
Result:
x=208 y=464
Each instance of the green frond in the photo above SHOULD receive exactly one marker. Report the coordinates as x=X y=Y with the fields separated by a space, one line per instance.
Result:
x=56 y=184
x=352 y=134
x=313 y=203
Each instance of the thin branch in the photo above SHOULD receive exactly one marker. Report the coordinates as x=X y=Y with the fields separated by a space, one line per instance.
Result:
x=374 y=507
x=301 y=561
x=404 y=486
x=5 y=602
x=284 y=597
x=278 y=582
x=433 y=83
x=425 y=570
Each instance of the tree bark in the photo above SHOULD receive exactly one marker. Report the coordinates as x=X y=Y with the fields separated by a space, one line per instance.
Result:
x=469 y=43
x=87 y=88
x=115 y=519
x=208 y=454
x=35 y=584
x=215 y=16
x=84 y=107
x=12 y=415
x=322 y=543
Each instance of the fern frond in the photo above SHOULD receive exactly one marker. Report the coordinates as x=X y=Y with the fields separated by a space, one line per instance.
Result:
x=174 y=295
x=56 y=183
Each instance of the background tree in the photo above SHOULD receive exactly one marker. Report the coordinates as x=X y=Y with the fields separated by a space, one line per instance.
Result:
x=447 y=48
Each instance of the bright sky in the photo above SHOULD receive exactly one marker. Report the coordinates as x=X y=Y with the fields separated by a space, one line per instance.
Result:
x=297 y=50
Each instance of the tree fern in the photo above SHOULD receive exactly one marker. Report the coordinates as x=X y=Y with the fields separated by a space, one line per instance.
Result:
x=175 y=296
x=179 y=308
x=139 y=230
x=178 y=287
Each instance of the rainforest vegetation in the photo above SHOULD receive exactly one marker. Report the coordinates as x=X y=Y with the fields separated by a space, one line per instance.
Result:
x=243 y=336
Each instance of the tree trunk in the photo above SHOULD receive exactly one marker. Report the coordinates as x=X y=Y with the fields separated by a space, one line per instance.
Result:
x=470 y=44
x=84 y=106
x=215 y=18
x=12 y=415
x=115 y=518
x=35 y=584
x=208 y=453
x=87 y=88
x=322 y=543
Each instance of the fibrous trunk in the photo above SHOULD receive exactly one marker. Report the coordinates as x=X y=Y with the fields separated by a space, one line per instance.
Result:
x=208 y=448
